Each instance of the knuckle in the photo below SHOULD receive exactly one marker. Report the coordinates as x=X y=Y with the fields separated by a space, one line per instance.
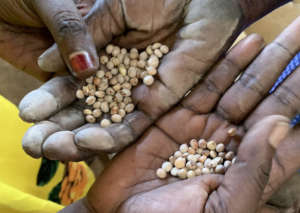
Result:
x=262 y=176
x=287 y=97
x=67 y=22
x=252 y=83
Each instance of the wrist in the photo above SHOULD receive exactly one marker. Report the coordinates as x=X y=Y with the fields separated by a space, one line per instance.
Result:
x=255 y=9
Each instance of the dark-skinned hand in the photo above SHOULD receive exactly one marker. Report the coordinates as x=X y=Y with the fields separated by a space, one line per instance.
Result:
x=130 y=184
x=202 y=31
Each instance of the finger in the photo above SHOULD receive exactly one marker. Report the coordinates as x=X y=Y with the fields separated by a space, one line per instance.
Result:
x=285 y=164
x=259 y=78
x=284 y=101
x=67 y=119
x=60 y=146
x=48 y=99
x=204 y=97
x=104 y=21
x=249 y=175
x=70 y=33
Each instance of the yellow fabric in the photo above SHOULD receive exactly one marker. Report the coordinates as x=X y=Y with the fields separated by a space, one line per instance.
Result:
x=18 y=190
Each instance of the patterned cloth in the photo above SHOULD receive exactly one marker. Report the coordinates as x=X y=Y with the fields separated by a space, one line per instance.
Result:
x=291 y=67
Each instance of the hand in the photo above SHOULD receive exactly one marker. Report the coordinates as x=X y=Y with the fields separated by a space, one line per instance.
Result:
x=25 y=28
x=208 y=112
x=197 y=47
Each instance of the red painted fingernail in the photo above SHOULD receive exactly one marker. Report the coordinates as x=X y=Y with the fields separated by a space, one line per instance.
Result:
x=81 y=61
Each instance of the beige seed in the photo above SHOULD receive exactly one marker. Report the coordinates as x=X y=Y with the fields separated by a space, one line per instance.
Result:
x=199 y=151
x=220 y=169
x=191 y=165
x=181 y=173
x=174 y=172
x=120 y=78
x=127 y=100
x=149 y=50
x=198 y=171
x=108 y=98
x=220 y=147
x=221 y=154
x=141 y=64
x=167 y=166
x=177 y=154
x=121 y=58
x=213 y=163
x=79 y=94
x=185 y=155
x=143 y=74
x=190 y=174
x=158 y=53
x=123 y=51
x=122 y=113
x=114 y=71
x=212 y=154
x=91 y=87
x=113 y=104
x=89 y=80
x=126 y=61
x=125 y=92
x=219 y=160
x=211 y=145
x=110 y=65
x=143 y=56
x=114 y=110
x=202 y=144
x=100 y=74
x=192 y=158
x=232 y=132
x=227 y=164
x=164 y=49
x=161 y=173
x=97 y=105
x=104 y=107
x=207 y=163
x=105 y=123
x=97 y=113
x=116 y=118
x=85 y=90
x=156 y=45
x=134 y=54
x=103 y=59
x=92 y=92
x=132 y=72
x=194 y=144
x=116 y=51
x=110 y=91
x=180 y=163
x=191 y=151
x=151 y=70
x=148 y=80
x=134 y=81
x=183 y=148
x=117 y=87
x=229 y=155
x=109 y=49
x=205 y=171
x=127 y=78
x=100 y=94
x=126 y=85
x=90 y=119
x=115 y=61
x=108 y=75
x=153 y=61
x=90 y=100
x=122 y=105
x=122 y=70
x=97 y=81
x=87 y=112
x=129 y=108
x=118 y=97
x=133 y=63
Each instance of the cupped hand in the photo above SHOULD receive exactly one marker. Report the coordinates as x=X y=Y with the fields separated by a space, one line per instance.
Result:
x=28 y=28
x=202 y=31
x=221 y=102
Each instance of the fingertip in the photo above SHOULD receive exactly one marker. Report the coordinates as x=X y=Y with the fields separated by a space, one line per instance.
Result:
x=51 y=60
x=37 y=105
x=95 y=138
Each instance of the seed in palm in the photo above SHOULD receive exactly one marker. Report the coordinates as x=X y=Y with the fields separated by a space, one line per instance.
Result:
x=108 y=93
x=197 y=158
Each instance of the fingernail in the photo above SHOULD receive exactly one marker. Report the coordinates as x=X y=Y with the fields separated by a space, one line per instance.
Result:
x=278 y=133
x=81 y=62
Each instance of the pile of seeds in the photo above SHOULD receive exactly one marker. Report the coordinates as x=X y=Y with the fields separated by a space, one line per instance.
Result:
x=199 y=158
x=107 y=95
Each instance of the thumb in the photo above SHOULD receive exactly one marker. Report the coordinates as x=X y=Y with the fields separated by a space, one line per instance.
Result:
x=245 y=181
x=104 y=21
x=71 y=35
